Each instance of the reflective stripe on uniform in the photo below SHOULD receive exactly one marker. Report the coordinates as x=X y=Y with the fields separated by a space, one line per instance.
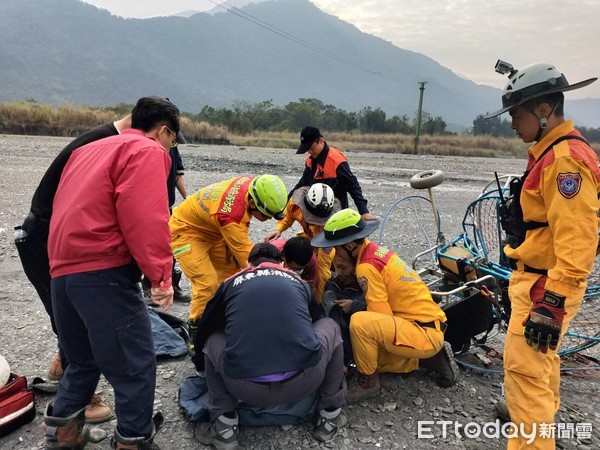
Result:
x=177 y=252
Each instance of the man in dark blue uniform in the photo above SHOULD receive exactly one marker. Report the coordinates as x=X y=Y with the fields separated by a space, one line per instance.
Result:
x=262 y=347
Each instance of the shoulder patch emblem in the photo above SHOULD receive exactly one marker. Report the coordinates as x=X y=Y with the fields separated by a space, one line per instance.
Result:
x=364 y=284
x=569 y=184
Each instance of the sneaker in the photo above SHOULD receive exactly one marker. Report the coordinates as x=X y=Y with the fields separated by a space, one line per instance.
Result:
x=443 y=365
x=328 y=424
x=502 y=410
x=222 y=433
x=55 y=371
x=97 y=411
x=366 y=386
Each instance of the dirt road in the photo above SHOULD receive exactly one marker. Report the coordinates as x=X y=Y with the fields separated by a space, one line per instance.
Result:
x=388 y=421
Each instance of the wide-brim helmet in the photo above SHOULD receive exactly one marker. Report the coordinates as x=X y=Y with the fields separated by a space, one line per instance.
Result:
x=344 y=226
x=534 y=81
x=317 y=203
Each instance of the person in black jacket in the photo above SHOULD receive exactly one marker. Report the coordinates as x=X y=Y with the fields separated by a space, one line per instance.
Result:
x=328 y=165
x=174 y=181
x=343 y=297
x=262 y=347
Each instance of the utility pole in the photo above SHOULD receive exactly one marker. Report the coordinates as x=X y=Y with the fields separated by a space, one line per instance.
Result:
x=418 y=124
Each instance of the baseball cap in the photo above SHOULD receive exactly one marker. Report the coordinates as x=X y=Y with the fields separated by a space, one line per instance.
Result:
x=308 y=135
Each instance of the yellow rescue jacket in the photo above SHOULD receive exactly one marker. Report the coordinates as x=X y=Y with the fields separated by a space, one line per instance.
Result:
x=562 y=189
x=217 y=212
x=392 y=287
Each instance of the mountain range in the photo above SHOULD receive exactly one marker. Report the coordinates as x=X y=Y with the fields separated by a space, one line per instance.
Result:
x=67 y=51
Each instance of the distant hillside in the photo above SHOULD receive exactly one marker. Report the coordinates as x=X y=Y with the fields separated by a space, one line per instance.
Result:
x=61 y=51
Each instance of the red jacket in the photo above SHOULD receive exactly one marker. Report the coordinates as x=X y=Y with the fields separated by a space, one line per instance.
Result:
x=111 y=205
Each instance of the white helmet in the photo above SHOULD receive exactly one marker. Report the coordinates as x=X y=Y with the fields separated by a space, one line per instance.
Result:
x=530 y=82
x=319 y=200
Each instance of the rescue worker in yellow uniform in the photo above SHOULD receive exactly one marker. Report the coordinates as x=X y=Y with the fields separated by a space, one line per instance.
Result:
x=210 y=231
x=402 y=327
x=553 y=246
x=311 y=206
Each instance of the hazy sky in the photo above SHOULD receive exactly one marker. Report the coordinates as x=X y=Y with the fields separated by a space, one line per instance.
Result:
x=467 y=36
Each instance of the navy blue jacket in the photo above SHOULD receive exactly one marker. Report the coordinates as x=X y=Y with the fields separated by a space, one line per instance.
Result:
x=266 y=314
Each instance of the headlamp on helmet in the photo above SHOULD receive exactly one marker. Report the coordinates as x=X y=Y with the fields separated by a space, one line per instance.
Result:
x=530 y=82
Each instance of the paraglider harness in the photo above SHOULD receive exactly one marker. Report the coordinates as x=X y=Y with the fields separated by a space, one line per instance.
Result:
x=511 y=214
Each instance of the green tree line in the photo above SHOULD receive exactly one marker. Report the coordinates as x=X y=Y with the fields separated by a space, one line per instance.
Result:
x=245 y=117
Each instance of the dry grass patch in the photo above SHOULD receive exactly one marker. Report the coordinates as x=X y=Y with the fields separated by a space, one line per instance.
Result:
x=395 y=143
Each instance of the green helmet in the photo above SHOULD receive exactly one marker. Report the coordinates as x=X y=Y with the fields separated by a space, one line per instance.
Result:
x=269 y=195
x=344 y=226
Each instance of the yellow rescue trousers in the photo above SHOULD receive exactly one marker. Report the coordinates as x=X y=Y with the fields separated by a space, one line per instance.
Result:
x=385 y=343
x=531 y=379
x=206 y=265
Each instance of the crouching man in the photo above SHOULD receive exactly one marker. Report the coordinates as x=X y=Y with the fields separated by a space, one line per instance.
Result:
x=261 y=347
x=402 y=328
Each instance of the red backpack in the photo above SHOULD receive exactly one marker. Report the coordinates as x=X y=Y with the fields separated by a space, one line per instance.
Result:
x=17 y=404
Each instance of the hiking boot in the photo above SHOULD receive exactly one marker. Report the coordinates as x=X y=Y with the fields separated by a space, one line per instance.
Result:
x=117 y=441
x=178 y=294
x=328 y=423
x=366 y=386
x=97 y=411
x=443 y=365
x=137 y=443
x=222 y=433
x=55 y=371
x=502 y=410
x=65 y=432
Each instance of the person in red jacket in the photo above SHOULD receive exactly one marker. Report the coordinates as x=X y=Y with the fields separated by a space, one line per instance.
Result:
x=33 y=250
x=97 y=247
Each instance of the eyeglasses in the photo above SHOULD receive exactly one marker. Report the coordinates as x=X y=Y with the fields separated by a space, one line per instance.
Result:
x=296 y=267
x=174 y=143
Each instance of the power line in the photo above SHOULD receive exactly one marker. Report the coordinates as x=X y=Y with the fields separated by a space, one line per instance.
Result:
x=273 y=29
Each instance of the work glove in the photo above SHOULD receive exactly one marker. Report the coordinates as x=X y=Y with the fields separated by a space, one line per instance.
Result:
x=543 y=325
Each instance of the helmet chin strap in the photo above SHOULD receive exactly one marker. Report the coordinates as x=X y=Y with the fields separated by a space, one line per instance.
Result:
x=543 y=124
x=353 y=258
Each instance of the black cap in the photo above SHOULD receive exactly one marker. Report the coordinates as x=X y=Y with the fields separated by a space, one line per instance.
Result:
x=264 y=251
x=180 y=139
x=308 y=135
